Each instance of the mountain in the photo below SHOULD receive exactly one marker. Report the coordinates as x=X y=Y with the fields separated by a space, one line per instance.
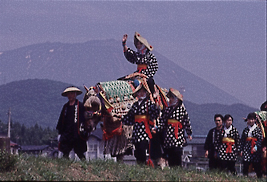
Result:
x=39 y=101
x=97 y=61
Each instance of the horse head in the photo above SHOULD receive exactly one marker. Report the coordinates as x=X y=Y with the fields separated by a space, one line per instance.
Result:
x=92 y=112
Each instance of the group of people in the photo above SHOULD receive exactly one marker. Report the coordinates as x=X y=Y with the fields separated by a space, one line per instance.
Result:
x=223 y=144
x=163 y=136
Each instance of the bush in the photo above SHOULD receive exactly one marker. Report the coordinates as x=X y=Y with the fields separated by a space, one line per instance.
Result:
x=7 y=161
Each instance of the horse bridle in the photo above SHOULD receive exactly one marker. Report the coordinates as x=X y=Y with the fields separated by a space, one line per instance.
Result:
x=91 y=114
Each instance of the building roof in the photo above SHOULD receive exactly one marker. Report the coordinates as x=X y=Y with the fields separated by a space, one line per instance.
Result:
x=13 y=144
x=33 y=147
x=198 y=139
x=98 y=133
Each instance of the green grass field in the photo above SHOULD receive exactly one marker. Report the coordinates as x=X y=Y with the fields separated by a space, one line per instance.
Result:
x=30 y=168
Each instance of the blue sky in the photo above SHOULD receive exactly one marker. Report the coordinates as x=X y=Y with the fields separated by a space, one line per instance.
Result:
x=223 y=42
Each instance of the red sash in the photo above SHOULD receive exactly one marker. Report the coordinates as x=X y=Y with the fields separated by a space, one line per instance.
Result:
x=176 y=124
x=229 y=142
x=147 y=122
x=117 y=131
x=253 y=142
x=141 y=67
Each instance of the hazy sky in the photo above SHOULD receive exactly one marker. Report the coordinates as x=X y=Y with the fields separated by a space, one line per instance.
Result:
x=223 y=42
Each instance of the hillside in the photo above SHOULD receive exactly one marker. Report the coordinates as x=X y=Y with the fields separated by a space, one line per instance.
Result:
x=40 y=101
x=96 y=61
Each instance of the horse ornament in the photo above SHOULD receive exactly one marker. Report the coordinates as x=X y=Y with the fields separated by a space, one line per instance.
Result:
x=107 y=102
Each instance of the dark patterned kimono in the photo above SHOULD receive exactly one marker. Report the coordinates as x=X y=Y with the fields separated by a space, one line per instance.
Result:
x=141 y=116
x=229 y=149
x=251 y=137
x=148 y=59
x=173 y=123
x=140 y=131
x=174 y=131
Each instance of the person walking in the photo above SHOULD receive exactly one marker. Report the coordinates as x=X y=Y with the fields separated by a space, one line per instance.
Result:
x=142 y=116
x=173 y=122
x=69 y=123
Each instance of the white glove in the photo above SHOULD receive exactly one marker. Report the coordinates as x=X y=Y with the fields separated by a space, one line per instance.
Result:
x=58 y=138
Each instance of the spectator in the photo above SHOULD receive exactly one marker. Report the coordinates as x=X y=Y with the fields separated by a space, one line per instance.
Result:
x=230 y=147
x=251 y=146
x=213 y=143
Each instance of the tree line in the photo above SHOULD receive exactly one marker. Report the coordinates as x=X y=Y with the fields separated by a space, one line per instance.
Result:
x=33 y=135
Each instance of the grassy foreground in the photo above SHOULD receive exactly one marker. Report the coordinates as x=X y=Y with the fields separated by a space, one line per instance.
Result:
x=29 y=168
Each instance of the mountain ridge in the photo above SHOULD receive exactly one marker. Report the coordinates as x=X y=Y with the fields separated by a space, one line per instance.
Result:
x=97 y=61
x=39 y=101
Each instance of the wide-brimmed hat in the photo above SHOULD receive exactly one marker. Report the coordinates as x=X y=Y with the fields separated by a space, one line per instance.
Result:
x=140 y=86
x=251 y=115
x=143 y=41
x=71 y=89
x=176 y=93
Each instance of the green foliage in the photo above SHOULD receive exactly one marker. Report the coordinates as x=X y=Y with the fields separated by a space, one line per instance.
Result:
x=34 y=135
x=47 y=169
x=7 y=161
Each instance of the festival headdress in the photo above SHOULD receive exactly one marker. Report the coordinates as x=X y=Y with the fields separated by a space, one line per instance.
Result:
x=176 y=93
x=143 y=41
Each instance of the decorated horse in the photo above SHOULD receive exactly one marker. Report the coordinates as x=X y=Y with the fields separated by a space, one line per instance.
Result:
x=107 y=102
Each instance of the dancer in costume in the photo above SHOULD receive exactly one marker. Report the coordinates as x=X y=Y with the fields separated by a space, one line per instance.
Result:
x=142 y=116
x=230 y=147
x=173 y=122
x=146 y=61
x=251 y=143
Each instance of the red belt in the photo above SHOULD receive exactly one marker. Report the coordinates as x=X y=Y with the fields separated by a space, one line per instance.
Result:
x=229 y=142
x=176 y=124
x=147 y=122
x=141 y=67
x=117 y=131
x=253 y=142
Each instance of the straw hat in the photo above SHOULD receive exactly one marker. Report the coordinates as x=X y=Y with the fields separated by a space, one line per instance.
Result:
x=139 y=88
x=143 y=41
x=71 y=89
x=176 y=93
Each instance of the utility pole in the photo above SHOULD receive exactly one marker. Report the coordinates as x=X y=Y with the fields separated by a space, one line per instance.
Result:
x=9 y=120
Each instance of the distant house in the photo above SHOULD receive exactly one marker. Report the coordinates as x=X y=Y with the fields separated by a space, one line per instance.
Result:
x=37 y=150
x=95 y=145
x=194 y=153
x=14 y=148
x=195 y=147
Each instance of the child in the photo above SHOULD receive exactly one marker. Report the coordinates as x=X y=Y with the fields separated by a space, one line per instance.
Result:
x=230 y=146
x=251 y=146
